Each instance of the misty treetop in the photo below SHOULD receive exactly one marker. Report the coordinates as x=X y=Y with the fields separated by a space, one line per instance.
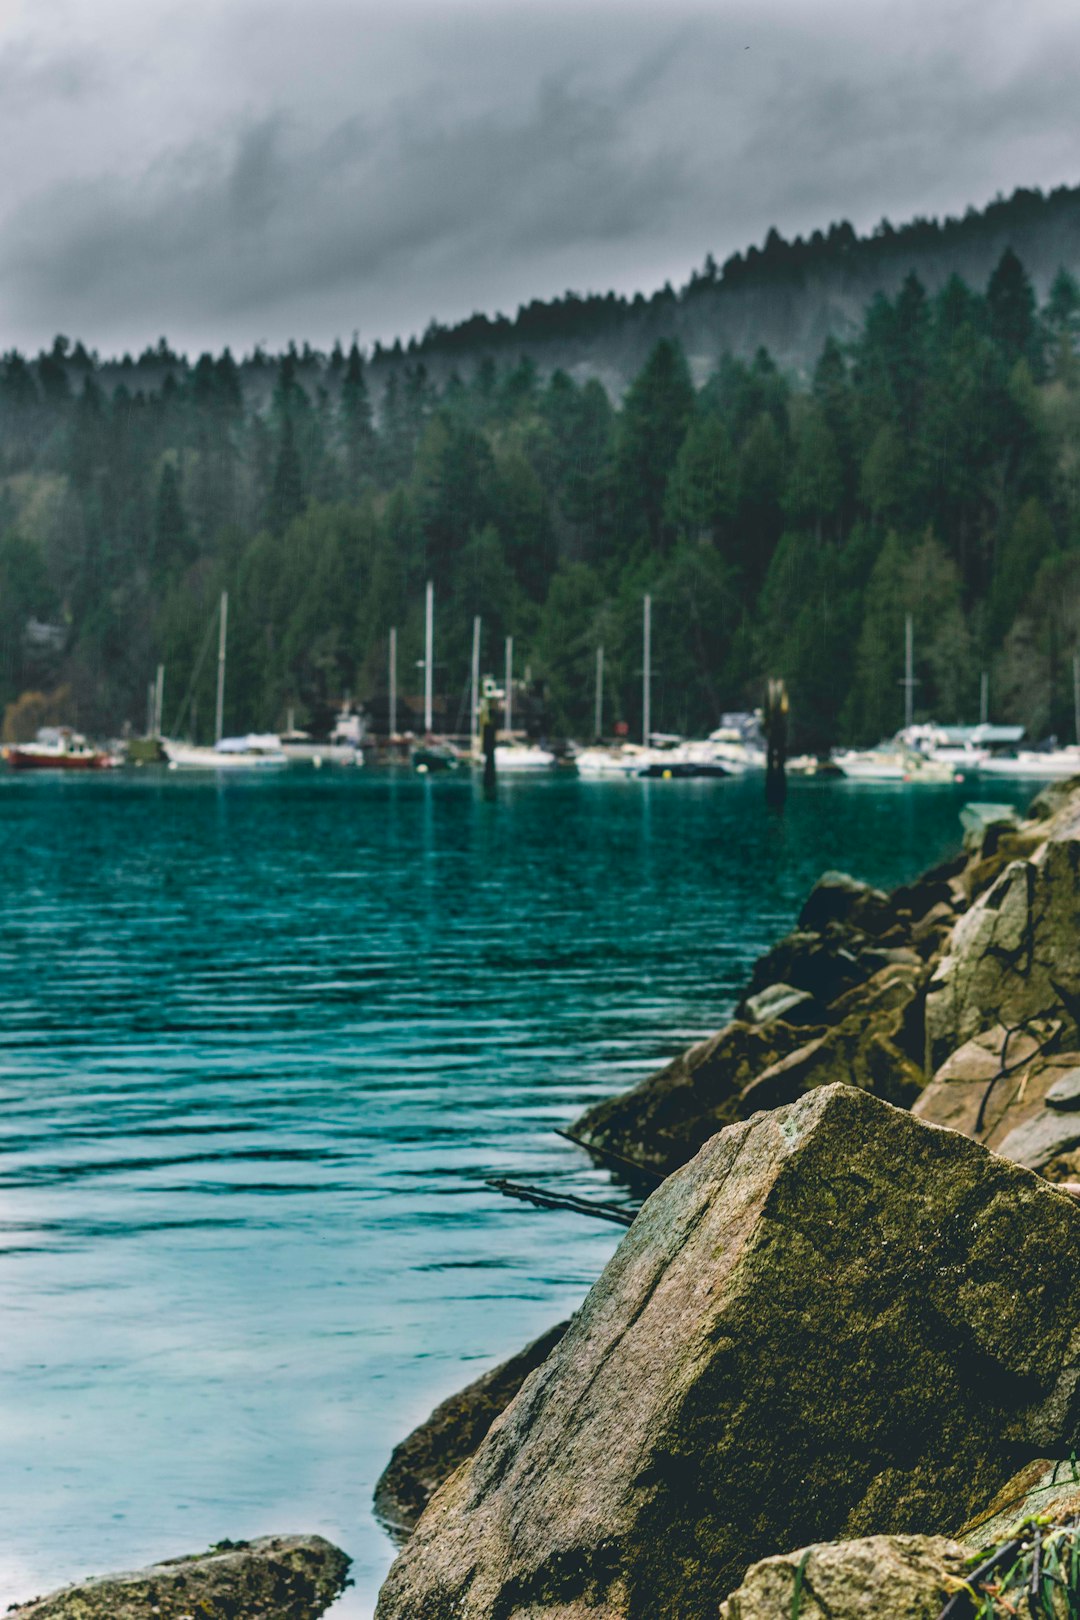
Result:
x=783 y=527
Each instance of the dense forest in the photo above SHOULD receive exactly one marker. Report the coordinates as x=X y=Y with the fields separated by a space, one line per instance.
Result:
x=782 y=526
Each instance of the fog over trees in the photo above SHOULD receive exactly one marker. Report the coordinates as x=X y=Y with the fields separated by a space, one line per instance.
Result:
x=785 y=517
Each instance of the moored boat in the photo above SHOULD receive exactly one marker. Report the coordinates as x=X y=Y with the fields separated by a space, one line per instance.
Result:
x=523 y=757
x=1035 y=764
x=58 y=748
x=255 y=751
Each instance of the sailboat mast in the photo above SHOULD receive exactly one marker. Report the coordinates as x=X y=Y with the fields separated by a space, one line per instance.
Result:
x=393 y=682
x=223 y=625
x=429 y=656
x=646 y=673
x=509 y=685
x=984 y=697
x=909 y=670
x=474 y=703
x=598 y=721
x=159 y=699
x=1076 y=696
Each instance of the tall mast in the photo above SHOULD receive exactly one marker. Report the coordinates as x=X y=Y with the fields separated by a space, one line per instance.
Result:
x=474 y=696
x=393 y=681
x=223 y=626
x=509 y=685
x=984 y=697
x=909 y=670
x=646 y=673
x=159 y=699
x=149 y=708
x=429 y=656
x=1076 y=696
x=598 y=722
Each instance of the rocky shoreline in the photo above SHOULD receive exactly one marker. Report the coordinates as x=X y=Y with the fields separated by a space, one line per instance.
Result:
x=833 y=1369
x=838 y=1352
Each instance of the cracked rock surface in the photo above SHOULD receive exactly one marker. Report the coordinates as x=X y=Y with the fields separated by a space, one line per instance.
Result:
x=836 y=1321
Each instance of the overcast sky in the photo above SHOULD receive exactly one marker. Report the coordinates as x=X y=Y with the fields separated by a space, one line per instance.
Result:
x=235 y=171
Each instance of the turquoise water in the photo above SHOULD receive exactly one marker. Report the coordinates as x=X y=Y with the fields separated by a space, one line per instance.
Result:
x=262 y=1043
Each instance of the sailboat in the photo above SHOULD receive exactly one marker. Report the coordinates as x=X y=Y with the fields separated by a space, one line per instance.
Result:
x=253 y=751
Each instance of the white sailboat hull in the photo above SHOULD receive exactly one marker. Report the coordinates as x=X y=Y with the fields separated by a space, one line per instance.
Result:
x=188 y=757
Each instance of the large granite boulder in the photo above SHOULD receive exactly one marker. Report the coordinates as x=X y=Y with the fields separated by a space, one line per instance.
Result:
x=836 y=1321
x=455 y=1428
x=877 y=1578
x=273 y=1578
x=1013 y=957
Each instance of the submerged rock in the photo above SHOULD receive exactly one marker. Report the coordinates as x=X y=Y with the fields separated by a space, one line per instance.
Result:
x=877 y=1578
x=273 y=1578
x=455 y=1428
x=836 y=1321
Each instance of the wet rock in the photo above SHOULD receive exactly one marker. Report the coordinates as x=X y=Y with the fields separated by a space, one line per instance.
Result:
x=835 y=1321
x=838 y=898
x=455 y=1428
x=877 y=1578
x=1013 y=956
x=782 y=1001
x=663 y=1121
x=273 y=1578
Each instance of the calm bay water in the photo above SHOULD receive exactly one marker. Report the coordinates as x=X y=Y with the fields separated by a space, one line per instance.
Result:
x=263 y=1041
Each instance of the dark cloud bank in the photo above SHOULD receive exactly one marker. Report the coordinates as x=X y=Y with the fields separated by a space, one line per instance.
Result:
x=310 y=171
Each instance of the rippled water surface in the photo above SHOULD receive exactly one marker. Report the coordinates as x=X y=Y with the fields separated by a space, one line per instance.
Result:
x=263 y=1041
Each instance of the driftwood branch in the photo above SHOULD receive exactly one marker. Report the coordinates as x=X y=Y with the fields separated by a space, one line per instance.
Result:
x=550 y=1200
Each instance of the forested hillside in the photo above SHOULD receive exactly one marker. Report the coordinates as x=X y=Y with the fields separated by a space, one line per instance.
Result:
x=932 y=465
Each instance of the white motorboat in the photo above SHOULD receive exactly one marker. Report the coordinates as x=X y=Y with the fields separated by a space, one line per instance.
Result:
x=738 y=743
x=965 y=748
x=256 y=751
x=619 y=763
x=1034 y=764
x=344 y=746
x=893 y=762
x=523 y=757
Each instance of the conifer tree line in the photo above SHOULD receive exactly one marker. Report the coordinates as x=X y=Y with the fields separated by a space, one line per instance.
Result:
x=784 y=526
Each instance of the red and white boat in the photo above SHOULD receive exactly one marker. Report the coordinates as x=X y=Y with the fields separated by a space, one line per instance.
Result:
x=58 y=748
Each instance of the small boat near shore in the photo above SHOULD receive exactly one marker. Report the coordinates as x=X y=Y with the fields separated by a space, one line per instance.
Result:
x=256 y=751
x=59 y=748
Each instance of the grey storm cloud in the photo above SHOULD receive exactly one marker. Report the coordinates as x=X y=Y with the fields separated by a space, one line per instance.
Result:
x=233 y=173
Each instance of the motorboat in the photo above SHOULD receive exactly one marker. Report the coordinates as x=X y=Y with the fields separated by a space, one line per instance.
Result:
x=620 y=763
x=344 y=745
x=59 y=748
x=739 y=744
x=523 y=757
x=1035 y=764
x=893 y=762
x=255 y=751
x=965 y=748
